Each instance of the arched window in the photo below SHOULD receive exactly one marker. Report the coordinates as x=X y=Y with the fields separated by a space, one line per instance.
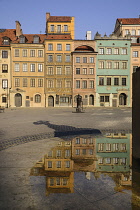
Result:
x=37 y=98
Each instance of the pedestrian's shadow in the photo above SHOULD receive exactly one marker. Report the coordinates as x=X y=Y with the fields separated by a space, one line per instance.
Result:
x=65 y=130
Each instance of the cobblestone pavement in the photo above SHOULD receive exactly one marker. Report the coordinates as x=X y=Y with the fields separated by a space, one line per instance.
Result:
x=22 y=125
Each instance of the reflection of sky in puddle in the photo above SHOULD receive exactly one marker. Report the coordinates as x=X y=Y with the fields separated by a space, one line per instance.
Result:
x=86 y=170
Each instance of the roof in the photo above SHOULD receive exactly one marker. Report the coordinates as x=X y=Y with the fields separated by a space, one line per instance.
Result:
x=30 y=38
x=84 y=48
x=129 y=21
x=59 y=19
x=58 y=36
x=10 y=33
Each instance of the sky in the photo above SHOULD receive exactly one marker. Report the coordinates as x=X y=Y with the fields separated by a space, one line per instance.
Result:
x=90 y=15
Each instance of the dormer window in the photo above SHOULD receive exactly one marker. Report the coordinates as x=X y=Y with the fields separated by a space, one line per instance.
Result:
x=36 y=39
x=65 y=28
x=6 y=41
x=22 y=39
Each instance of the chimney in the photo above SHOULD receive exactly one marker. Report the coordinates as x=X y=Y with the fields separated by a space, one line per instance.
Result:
x=88 y=35
x=47 y=17
x=18 y=29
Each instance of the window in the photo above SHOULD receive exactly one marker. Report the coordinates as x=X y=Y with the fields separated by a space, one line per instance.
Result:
x=40 y=82
x=32 y=82
x=40 y=53
x=24 y=82
x=84 y=141
x=101 y=64
x=64 y=99
x=84 y=151
x=58 y=153
x=90 y=151
x=4 y=68
x=123 y=161
x=108 y=147
x=67 y=58
x=91 y=84
x=50 y=70
x=100 y=161
x=122 y=146
x=65 y=28
x=6 y=41
x=67 y=70
x=4 y=54
x=58 y=28
x=84 y=84
x=21 y=39
x=68 y=84
x=116 y=81
x=109 y=65
x=77 y=83
x=67 y=47
x=77 y=152
x=24 y=53
x=104 y=98
x=32 y=67
x=4 y=83
x=135 y=54
x=59 y=47
x=49 y=164
x=77 y=59
x=58 y=164
x=24 y=67
x=59 y=58
x=134 y=68
x=36 y=39
x=50 y=47
x=126 y=31
x=59 y=83
x=50 y=83
x=16 y=52
x=124 y=81
x=108 y=81
x=4 y=99
x=16 y=67
x=115 y=147
x=84 y=59
x=58 y=179
x=52 y=28
x=124 y=51
x=84 y=70
x=133 y=32
x=59 y=70
x=32 y=53
x=40 y=67
x=101 y=50
x=107 y=160
x=91 y=71
x=67 y=164
x=124 y=65
x=77 y=70
x=116 y=65
x=116 y=51
x=138 y=31
x=100 y=146
x=109 y=51
x=17 y=82
x=115 y=160
x=51 y=181
x=101 y=80
x=67 y=153
x=77 y=141
x=50 y=58
x=91 y=59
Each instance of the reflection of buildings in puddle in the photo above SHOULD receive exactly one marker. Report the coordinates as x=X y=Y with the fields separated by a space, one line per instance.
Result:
x=109 y=155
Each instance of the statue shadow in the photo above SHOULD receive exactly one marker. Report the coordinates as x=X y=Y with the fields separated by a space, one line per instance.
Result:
x=65 y=130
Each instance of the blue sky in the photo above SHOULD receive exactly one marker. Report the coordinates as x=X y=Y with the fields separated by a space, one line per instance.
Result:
x=89 y=15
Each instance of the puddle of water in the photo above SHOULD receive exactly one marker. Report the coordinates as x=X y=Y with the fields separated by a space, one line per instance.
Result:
x=87 y=172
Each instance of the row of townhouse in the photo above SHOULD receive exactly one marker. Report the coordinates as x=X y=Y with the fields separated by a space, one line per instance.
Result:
x=51 y=69
x=110 y=155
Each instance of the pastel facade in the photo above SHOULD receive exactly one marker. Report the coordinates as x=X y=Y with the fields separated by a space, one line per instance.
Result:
x=84 y=83
x=112 y=71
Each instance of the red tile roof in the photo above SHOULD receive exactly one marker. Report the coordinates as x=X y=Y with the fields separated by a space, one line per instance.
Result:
x=129 y=21
x=59 y=19
x=10 y=33
x=84 y=48
x=58 y=36
x=30 y=38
